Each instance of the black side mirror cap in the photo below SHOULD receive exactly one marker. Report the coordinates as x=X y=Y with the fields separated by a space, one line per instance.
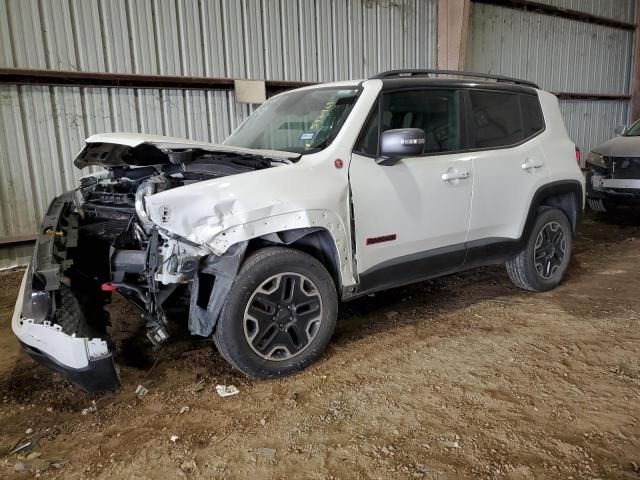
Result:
x=400 y=143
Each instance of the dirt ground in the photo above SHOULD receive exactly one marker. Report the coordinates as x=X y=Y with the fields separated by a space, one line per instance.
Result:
x=460 y=377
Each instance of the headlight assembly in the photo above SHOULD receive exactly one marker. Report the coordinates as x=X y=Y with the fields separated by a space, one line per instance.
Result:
x=144 y=190
x=596 y=160
x=147 y=188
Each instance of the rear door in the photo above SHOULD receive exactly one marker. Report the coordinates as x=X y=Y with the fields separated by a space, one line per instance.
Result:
x=411 y=218
x=508 y=161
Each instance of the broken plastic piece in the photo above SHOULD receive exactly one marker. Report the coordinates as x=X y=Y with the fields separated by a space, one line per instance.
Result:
x=140 y=391
x=23 y=445
x=157 y=334
x=227 y=390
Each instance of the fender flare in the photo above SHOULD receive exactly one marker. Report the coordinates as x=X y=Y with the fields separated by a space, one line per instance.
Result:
x=310 y=220
x=573 y=212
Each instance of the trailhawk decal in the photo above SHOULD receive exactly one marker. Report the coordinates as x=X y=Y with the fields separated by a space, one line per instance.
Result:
x=384 y=238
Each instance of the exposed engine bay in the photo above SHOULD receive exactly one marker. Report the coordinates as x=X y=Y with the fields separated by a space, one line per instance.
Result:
x=99 y=239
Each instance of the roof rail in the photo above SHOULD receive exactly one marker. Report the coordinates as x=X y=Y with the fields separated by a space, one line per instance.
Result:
x=428 y=72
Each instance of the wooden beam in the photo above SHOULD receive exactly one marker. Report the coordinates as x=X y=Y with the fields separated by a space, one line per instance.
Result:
x=567 y=13
x=634 y=106
x=119 y=80
x=591 y=96
x=453 y=24
x=17 y=239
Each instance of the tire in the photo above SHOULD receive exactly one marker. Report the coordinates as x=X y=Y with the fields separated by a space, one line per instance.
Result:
x=549 y=269
x=69 y=314
x=258 y=333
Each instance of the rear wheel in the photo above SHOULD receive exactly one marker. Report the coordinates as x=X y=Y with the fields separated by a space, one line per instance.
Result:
x=541 y=265
x=280 y=313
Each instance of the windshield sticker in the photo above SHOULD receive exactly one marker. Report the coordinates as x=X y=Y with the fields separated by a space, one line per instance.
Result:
x=307 y=135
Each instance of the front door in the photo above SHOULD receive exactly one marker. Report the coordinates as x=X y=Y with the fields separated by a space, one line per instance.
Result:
x=411 y=218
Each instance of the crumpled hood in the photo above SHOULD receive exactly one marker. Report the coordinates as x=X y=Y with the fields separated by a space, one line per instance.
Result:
x=620 y=147
x=113 y=149
x=199 y=212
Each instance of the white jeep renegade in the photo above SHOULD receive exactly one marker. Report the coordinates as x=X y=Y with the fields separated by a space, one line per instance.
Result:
x=325 y=193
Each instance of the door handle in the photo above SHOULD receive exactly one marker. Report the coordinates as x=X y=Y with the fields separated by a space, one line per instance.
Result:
x=530 y=164
x=455 y=175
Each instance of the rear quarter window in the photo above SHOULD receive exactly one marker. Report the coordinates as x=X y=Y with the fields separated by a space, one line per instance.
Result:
x=495 y=119
x=503 y=119
x=531 y=115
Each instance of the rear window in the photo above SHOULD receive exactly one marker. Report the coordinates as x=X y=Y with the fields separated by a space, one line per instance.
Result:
x=502 y=119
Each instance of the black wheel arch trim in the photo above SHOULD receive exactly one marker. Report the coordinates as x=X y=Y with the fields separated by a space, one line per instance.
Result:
x=551 y=190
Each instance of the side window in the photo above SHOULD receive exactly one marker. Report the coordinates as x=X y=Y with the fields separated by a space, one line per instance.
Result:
x=531 y=115
x=435 y=111
x=496 y=119
x=368 y=141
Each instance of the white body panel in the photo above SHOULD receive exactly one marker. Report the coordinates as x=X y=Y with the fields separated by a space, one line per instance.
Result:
x=137 y=139
x=558 y=149
x=503 y=189
x=507 y=179
x=309 y=193
x=70 y=351
x=412 y=201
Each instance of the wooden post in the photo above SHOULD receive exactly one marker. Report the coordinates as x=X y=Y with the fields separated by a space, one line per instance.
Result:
x=453 y=23
x=634 y=107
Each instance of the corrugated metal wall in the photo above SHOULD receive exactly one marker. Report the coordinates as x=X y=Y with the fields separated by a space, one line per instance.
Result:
x=621 y=10
x=563 y=56
x=42 y=128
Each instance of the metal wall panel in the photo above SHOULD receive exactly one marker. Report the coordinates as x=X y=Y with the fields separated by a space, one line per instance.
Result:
x=15 y=256
x=562 y=56
x=306 y=40
x=591 y=123
x=622 y=10
x=42 y=128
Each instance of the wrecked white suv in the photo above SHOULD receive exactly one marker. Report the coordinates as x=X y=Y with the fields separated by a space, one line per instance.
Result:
x=325 y=193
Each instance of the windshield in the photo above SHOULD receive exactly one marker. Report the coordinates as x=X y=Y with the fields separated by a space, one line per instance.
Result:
x=301 y=122
x=633 y=130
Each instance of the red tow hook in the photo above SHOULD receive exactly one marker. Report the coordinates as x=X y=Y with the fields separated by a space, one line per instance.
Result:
x=108 y=287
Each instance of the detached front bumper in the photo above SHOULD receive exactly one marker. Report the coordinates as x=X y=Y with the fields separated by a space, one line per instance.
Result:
x=614 y=191
x=85 y=362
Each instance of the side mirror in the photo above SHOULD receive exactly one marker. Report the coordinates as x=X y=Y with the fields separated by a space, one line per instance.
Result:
x=619 y=130
x=399 y=143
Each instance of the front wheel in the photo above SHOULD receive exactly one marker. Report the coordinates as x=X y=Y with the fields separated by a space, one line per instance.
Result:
x=279 y=315
x=542 y=263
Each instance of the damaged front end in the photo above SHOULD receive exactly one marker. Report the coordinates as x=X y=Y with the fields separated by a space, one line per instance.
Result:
x=99 y=239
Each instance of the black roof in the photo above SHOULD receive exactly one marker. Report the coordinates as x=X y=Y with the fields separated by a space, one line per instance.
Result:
x=460 y=73
x=414 y=78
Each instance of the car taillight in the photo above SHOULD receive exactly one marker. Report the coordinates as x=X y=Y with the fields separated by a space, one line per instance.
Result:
x=578 y=156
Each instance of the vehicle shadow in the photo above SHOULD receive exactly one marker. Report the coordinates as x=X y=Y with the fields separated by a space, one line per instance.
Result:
x=422 y=301
x=623 y=217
